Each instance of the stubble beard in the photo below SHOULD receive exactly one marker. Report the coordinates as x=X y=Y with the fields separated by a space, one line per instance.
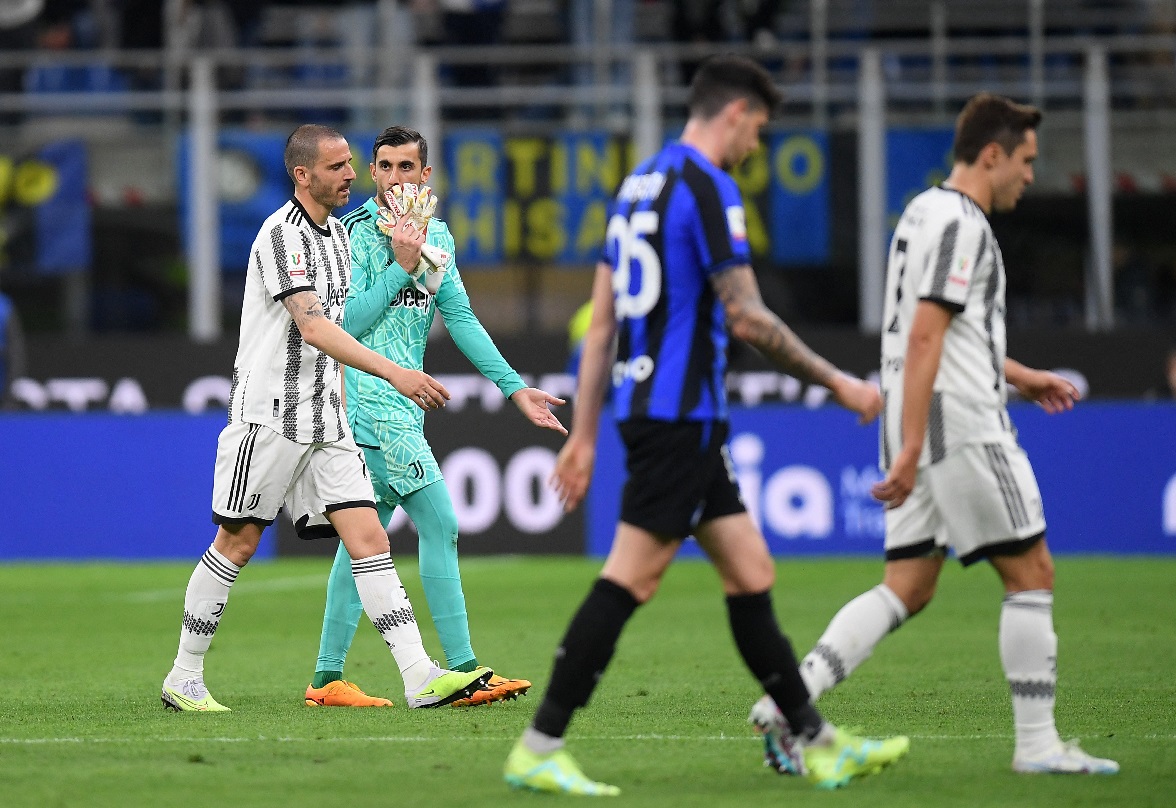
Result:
x=326 y=196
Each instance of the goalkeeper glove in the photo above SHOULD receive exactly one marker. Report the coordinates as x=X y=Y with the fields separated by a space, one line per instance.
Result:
x=418 y=204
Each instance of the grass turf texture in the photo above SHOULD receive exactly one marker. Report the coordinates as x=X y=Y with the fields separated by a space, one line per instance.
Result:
x=85 y=648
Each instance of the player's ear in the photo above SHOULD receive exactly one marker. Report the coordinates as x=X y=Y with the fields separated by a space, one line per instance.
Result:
x=425 y=172
x=736 y=108
x=990 y=155
x=301 y=175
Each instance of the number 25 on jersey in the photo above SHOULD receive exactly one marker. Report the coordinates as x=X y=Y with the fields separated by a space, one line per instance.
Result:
x=629 y=235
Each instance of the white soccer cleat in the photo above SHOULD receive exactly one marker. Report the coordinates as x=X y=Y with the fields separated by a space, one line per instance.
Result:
x=1065 y=758
x=782 y=753
x=189 y=696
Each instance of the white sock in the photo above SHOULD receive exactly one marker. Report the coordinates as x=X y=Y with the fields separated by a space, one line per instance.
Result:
x=850 y=638
x=387 y=606
x=204 y=603
x=541 y=743
x=1029 y=653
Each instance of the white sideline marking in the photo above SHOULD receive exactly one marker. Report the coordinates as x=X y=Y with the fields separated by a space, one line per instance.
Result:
x=494 y=739
x=244 y=587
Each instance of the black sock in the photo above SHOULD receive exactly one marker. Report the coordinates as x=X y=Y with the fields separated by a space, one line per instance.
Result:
x=769 y=655
x=583 y=655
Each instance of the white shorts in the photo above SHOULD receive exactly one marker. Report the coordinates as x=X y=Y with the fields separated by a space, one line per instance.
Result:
x=258 y=471
x=980 y=500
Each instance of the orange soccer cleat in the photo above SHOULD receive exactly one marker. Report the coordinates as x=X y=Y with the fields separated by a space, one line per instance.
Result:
x=498 y=688
x=341 y=694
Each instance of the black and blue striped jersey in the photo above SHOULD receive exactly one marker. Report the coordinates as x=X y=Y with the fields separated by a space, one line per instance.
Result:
x=675 y=221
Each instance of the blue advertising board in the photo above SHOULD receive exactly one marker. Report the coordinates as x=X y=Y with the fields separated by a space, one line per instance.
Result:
x=80 y=486
x=1107 y=474
x=109 y=486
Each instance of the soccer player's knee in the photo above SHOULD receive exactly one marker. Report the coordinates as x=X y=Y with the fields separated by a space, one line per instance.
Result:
x=447 y=525
x=642 y=591
x=915 y=593
x=1043 y=573
x=918 y=598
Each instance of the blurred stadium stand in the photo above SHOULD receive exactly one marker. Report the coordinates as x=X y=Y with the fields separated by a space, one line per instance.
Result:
x=119 y=81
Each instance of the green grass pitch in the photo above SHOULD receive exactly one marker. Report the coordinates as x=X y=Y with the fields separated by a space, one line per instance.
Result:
x=85 y=648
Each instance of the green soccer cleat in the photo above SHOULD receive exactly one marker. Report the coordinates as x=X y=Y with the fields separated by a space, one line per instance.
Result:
x=190 y=696
x=849 y=756
x=444 y=686
x=556 y=773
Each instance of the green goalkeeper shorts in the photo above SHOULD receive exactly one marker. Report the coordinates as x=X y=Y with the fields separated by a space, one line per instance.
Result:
x=399 y=458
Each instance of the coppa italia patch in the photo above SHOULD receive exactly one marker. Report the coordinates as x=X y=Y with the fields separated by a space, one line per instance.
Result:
x=297 y=264
x=960 y=276
x=737 y=222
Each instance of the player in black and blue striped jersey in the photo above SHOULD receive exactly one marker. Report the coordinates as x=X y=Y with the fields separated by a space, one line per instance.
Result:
x=674 y=279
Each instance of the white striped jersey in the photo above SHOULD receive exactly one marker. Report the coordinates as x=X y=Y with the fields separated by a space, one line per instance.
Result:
x=278 y=379
x=944 y=251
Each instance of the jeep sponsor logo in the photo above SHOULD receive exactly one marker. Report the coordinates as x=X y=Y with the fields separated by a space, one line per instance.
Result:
x=411 y=298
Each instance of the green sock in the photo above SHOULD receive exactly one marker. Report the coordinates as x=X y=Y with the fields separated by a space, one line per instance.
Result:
x=341 y=616
x=322 y=678
x=432 y=512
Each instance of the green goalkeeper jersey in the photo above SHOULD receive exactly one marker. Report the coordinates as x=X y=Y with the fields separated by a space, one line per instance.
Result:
x=387 y=313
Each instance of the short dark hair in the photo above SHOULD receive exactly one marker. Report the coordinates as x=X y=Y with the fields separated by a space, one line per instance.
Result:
x=989 y=118
x=399 y=136
x=302 y=147
x=726 y=78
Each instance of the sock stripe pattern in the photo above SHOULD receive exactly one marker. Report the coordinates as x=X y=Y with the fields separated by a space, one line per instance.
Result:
x=1028 y=652
x=833 y=660
x=193 y=624
x=226 y=574
x=386 y=604
x=204 y=604
x=396 y=619
x=1032 y=690
x=894 y=606
x=367 y=566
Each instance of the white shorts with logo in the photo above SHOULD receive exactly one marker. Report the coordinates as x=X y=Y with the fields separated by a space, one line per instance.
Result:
x=980 y=500
x=258 y=471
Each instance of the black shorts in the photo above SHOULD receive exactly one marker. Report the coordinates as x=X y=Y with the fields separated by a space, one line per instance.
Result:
x=679 y=475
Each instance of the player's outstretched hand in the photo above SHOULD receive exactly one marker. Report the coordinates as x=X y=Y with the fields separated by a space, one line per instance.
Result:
x=1055 y=393
x=573 y=472
x=899 y=483
x=858 y=396
x=532 y=402
x=424 y=391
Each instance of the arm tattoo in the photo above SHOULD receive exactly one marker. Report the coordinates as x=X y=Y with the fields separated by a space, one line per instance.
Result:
x=304 y=307
x=754 y=323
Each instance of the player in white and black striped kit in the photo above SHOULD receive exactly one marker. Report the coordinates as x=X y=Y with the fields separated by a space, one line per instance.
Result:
x=956 y=476
x=287 y=441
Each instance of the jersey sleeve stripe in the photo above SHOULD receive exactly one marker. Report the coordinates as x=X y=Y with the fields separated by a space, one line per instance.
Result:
x=950 y=305
x=285 y=293
x=278 y=245
x=711 y=216
x=947 y=247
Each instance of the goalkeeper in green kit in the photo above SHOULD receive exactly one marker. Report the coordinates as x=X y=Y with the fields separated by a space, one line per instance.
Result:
x=402 y=272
